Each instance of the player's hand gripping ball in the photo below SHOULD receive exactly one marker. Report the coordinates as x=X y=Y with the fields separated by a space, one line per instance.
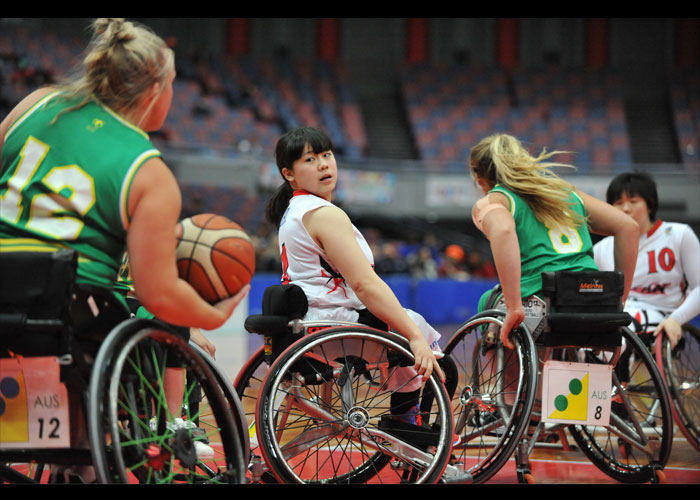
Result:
x=214 y=255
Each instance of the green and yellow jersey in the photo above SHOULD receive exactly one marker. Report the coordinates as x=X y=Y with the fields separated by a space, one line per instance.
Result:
x=65 y=182
x=546 y=249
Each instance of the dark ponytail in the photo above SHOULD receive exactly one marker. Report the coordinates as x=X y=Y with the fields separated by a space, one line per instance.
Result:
x=278 y=203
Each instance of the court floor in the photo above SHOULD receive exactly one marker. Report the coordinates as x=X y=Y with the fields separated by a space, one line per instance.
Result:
x=555 y=463
x=552 y=464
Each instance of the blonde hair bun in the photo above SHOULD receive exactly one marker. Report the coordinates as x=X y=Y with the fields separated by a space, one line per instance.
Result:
x=114 y=29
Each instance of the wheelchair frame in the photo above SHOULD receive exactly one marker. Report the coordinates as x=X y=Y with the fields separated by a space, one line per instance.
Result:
x=321 y=395
x=160 y=454
x=680 y=368
x=482 y=406
x=340 y=412
x=632 y=438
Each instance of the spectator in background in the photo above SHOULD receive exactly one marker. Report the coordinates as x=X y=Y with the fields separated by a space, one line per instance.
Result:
x=478 y=267
x=452 y=264
x=422 y=265
x=267 y=257
x=389 y=261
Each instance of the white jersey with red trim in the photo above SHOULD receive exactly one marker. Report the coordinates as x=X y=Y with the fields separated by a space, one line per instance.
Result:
x=667 y=264
x=306 y=264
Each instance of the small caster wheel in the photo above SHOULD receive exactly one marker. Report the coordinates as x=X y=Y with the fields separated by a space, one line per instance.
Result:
x=659 y=476
x=526 y=477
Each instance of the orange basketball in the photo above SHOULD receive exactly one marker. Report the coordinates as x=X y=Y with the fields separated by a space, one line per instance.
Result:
x=214 y=255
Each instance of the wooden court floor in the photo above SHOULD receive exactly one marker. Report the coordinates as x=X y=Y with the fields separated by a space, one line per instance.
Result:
x=550 y=463
x=557 y=464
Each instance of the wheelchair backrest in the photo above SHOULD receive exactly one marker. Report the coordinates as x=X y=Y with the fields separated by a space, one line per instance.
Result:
x=584 y=308
x=37 y=284
x=281 y=304
x=285 y=300
x=583 y=291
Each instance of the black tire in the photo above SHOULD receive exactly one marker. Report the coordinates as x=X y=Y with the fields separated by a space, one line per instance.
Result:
x=248 y=386
x=232 y=399
x=495 y=394
x=340 y=429
x=128 y=417
x=619 y=450
x=680 y=368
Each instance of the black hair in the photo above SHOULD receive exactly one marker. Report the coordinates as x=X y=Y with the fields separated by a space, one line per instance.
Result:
x=289 y=149
x=635 y=184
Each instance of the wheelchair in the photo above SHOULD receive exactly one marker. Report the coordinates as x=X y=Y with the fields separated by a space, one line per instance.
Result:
x=615 y=406
x=317 y=398
x=81 y=394
x=680 y=369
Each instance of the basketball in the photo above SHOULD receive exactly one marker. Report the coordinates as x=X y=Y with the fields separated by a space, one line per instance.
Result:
x=214 y=255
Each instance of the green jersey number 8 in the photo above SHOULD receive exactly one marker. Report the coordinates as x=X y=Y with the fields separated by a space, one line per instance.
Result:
x=54 y=214
x=565 y=240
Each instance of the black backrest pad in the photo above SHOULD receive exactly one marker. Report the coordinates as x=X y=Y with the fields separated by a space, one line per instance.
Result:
x=38 y=284
x=597 y=291
x=585 y=308
x=285 y=300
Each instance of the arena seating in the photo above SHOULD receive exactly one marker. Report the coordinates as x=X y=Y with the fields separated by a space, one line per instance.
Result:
x=450 y=108
x=228 y=106
x=684 y=89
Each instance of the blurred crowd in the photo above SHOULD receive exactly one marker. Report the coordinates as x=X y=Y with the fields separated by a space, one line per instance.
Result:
x=428 y=259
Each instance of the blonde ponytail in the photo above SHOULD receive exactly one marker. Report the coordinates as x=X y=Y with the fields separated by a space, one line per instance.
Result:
x=502 y=159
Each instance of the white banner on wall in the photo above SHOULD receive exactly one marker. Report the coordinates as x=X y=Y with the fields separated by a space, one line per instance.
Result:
x=360 y=187
x=450 y=191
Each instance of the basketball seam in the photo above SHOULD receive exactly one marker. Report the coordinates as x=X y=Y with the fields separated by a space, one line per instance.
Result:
x=195 y=242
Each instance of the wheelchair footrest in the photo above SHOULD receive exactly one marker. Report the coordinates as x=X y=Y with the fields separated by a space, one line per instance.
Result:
x=419 y=436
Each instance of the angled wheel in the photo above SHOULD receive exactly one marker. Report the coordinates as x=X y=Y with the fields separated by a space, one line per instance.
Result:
x=132 y=435
x=248 y=385
x=637 y=442
x=234 y=402
x=24 y=473
x=324 y=413
x=495 y=394
x=680 y=368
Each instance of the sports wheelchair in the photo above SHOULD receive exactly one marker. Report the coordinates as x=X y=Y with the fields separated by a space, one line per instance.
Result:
x=83 y=388
x=614 y=402
x=680 y=369
x=317 y=398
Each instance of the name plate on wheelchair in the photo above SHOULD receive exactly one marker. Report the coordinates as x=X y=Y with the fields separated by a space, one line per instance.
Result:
x=576 y=393
x=535 y=310
x=33 y=404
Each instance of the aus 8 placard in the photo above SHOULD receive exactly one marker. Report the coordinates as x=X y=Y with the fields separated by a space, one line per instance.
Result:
x=576 y=393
